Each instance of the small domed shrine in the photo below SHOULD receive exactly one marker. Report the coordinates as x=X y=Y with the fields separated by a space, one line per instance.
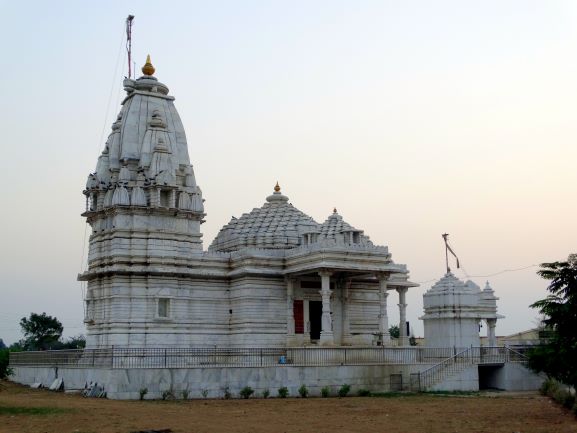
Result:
x=272 y=277
x=454 y=310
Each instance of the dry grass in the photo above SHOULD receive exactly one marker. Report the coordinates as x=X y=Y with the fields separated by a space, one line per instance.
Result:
x=39 y=411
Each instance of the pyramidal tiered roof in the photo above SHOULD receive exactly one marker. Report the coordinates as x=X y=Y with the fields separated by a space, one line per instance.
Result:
x=338 y=229
x=280 y=225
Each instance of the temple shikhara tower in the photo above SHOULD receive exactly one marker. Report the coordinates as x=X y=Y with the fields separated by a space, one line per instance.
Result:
x=273 y=277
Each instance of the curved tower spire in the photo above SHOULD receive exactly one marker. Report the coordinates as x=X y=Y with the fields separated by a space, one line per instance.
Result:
x=145 y=210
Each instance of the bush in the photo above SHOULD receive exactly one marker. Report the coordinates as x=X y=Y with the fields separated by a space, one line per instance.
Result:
x=344 y=390
x=246 y=392
x=265 y=393
x=204 y=393
x=5 y=371
x=143 y=392
x=168 y=395
x=325 y=391
x=283 y=392
x=363 y=393
x=227 y=395
x=549 y=387
x=559 y=393
x=564 y=397
x=185 y=394
x=303 y=391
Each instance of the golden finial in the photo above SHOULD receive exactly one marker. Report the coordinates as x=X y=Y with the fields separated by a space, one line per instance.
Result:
x=277 y=188
x=148 y=69
x=335 y=210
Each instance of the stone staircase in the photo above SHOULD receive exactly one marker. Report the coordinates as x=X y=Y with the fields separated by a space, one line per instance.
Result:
x=465 y=361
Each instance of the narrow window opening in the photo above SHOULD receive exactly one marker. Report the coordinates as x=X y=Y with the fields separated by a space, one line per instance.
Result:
x=165 y=198
x=163 y=307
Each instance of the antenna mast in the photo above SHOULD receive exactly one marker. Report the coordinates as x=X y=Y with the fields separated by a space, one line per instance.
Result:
x=129 y=43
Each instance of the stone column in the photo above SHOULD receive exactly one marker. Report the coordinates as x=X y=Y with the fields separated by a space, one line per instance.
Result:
x=346 y=313
x=403 y=338
x=491 y=324
x=327 y=337
x=383 y=316
x=290 y=318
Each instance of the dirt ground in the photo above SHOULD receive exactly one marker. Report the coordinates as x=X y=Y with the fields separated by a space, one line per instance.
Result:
x=26 y=410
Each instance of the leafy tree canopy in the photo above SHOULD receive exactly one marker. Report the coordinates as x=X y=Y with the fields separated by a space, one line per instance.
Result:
x=394 y=331
x=558 y=357
x=40 y=331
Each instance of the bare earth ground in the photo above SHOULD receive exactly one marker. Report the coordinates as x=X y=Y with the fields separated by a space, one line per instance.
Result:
x=490 y=413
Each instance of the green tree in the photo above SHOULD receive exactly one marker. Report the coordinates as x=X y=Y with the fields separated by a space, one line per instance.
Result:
x=40 y=331
x=558 y=356
x=394 y=331
x=76 y=342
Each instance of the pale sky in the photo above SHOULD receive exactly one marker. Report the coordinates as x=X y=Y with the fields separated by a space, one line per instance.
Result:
x=412 y=118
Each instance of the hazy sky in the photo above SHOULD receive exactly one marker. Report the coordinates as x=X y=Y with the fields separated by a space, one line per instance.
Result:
x=412 y=118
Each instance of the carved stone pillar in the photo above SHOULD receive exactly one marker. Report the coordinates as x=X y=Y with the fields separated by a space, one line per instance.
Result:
x=491 y=324
x=327 y=337
x=403 y=338
x=383 y=315
x=346 y=313
x=290 y=319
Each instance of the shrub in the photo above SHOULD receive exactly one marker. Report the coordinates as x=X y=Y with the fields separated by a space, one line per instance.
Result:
x=303 y=391
x=204 y=393
x=185 y=394
x=344 y=390
x=363 y=393
x=5 y=371
x=143 y=392
x=549 y=387
x=265 y=393
x=564 y=397
x=325 y=391
x=283 y=392
x=168 y=395
x=246 y=392
x=227 y=394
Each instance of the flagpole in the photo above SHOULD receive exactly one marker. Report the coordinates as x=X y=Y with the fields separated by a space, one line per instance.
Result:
x=445 y=235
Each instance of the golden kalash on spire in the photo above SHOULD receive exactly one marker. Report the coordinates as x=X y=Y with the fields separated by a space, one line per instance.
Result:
x=148 y=69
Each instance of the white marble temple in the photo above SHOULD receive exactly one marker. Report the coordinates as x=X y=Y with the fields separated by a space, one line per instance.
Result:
x=272 y=277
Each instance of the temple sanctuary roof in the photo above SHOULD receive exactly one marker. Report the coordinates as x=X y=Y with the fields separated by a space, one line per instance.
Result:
x=338 y=229
x=279 y=225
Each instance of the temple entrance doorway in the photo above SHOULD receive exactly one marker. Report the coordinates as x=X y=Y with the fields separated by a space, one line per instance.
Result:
x=315 y=314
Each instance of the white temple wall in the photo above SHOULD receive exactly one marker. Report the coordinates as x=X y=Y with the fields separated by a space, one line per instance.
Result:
x=126 y=312
x=364 y=313
x=452 y=332
x=126 y=383
x=259 y=313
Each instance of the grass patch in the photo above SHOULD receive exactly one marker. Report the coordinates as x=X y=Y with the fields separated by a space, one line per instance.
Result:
x=394 y=394
x=451 y=393
x=21 y=410
x=398 y=394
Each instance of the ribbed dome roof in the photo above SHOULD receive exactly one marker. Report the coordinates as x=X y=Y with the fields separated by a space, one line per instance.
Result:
x=277 y=224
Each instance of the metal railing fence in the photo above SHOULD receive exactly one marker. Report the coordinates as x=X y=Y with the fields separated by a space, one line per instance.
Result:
x=447 y=360
x=232 y=357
